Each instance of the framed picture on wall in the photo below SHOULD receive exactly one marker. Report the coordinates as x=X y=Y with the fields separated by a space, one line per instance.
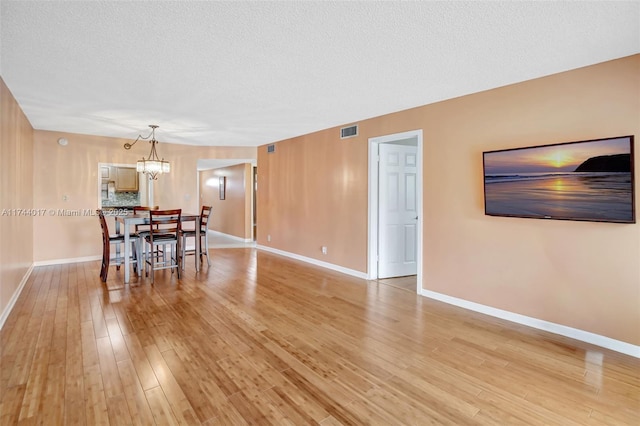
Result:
x=223 y=187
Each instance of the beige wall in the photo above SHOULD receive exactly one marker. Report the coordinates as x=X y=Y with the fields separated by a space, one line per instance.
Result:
x=583 y=275
x=72 y=170
x=16 y=192
x=232 y=215
x=313 y=191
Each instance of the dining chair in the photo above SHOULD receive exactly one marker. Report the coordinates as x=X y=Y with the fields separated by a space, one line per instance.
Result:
x=109 y=239
x=164 y=230
x=139 y=210
x=141 y=231
x=205 y=213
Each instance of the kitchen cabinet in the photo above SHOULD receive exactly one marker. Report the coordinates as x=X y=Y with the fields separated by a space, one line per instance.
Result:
x=126 y=179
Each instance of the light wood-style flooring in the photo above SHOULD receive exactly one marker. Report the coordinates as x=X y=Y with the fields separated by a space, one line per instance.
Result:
x=262 y=339
x=409 y=283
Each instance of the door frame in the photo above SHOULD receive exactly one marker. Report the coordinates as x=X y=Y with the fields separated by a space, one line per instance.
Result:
x=372 y=255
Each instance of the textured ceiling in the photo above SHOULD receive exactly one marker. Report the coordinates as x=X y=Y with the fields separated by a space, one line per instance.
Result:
x=250 y=73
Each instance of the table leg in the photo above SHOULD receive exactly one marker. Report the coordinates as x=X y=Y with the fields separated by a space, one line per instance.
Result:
x=198 y=248
x=127 y=254
x=118 y=245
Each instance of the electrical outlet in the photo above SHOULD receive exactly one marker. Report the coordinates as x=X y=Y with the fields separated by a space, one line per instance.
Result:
x=324 y=250
x=268 y=237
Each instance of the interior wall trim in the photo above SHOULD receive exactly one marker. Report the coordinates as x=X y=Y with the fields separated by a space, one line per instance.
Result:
x=563 y=330
x=14 y=298
x=233 y=237
x=327 y=265
x=69 y=260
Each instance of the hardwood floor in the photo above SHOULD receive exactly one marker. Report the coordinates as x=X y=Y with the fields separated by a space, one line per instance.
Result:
x=409 y=283
x=262 y=339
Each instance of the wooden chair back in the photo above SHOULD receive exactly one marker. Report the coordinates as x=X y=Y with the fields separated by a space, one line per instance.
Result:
x=205 y=213
x=106 y=246
x=105 y=229
x=140 y=210
x=164 y=223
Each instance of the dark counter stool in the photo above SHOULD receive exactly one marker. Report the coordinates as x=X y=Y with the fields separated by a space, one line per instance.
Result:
x=118 y=240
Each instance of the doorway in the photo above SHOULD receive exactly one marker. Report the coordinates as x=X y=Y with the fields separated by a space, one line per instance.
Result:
x=395 y=206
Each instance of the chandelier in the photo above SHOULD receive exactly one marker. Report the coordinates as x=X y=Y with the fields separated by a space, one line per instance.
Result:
x=153 y=165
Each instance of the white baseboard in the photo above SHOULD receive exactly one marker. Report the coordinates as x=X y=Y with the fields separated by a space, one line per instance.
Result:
x=563 y=330
x=64 y=261
x=14 y=298
x=327 y=265
x=233 y=237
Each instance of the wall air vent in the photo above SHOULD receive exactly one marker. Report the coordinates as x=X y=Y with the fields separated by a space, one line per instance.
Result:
x=271 y=148
x=349 y=132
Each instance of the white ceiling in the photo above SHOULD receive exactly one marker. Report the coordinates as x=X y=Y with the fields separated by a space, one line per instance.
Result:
x=249 y=73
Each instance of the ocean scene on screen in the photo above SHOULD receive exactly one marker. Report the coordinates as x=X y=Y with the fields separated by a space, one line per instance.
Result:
x=581 y=180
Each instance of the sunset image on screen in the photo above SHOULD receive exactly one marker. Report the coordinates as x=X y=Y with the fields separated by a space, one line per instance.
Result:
x=588 y=180
x=565 y=157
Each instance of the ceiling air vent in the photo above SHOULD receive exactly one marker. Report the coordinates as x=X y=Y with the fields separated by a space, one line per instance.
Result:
x=349 y=132
x=271 y=148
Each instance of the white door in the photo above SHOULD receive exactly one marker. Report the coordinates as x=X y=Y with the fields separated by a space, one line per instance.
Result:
x=397 y=210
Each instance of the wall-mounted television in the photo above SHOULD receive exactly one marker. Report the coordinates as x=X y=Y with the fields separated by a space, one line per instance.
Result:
x=591 y=180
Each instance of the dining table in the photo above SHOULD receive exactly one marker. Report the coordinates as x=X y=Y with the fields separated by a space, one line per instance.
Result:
x=128 y=221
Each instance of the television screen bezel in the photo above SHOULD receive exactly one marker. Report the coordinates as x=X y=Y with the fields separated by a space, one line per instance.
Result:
x=567 y=218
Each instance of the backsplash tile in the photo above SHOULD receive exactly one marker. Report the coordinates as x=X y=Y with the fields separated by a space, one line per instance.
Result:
x=120 y=199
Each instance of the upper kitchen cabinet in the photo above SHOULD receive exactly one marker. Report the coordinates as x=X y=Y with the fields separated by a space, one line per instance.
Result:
x=118 y=185
x=126 y=179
